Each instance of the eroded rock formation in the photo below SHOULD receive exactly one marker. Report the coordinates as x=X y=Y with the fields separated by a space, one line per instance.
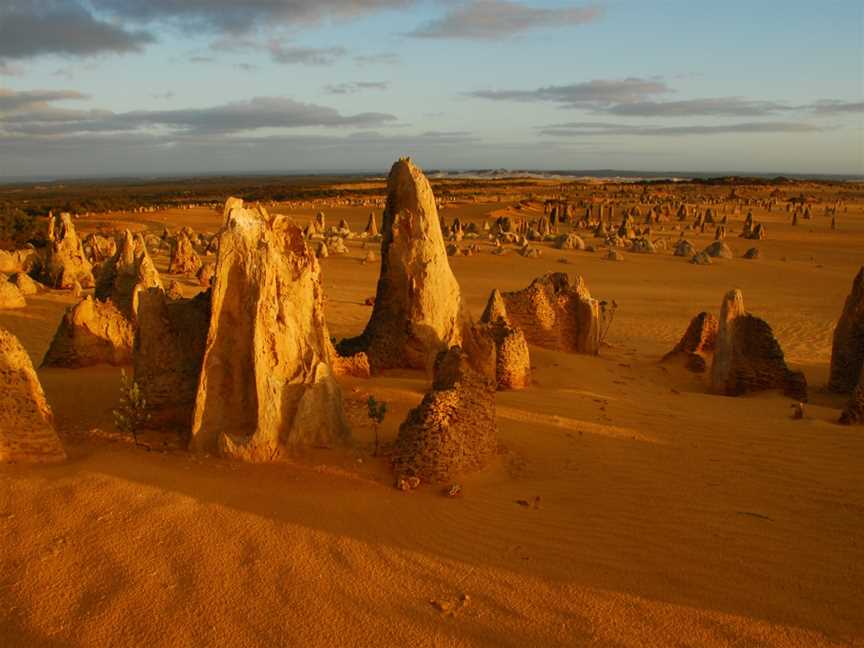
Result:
x=184 y=259
x=698 y=342
x=10 y=296
x=747 y=356
x=418 y=305
x=453 y=430
x=65 y=262
x=126 y=274
x=27 y=431
x=91 y=332
x=507 y=346
x=266 y=382
x=555 y=313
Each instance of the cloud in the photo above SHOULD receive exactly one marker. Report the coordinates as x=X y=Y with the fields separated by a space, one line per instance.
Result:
x=354 y=87
x=233 y=16
x=292 y=55
x=719 y=106
x=599 y=92
x=384 y=58
x=255 y=114
x=490 y=19
x=12 y=101
x=31 y=28
x=593 y=129
x=836 y=106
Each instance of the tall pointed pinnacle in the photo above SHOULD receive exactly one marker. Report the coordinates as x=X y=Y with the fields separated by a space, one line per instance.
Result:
x=418 y=306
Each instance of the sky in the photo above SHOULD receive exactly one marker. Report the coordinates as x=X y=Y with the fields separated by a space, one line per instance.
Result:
x=166 y=87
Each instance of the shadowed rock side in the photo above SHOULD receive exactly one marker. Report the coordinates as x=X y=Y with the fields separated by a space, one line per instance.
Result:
x=853 y=413
x=168 y=354
x=66 y=262
x=266 y=382
x=91 y=333
x=418 y=304
x=847 y=352
x=698 y=342
x=556 y=314
x=453 y=430
x=748 y=357
x=508 y=347
x=127 y=273
x=26 y=424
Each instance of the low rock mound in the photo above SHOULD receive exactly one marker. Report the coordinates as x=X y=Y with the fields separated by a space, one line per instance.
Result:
x=24 y=283
x=748 y=357
x=719 y=250
x=453 y=430
x=91 y=333
x=684 y=248
x=555 y=313
x=26 y=423
x=10 y=296
x=697 y=344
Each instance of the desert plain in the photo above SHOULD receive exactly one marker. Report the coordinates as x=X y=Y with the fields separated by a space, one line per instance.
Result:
x=626 y=504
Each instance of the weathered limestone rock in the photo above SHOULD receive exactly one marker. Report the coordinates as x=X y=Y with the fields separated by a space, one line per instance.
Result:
x=418 y=306
x=10 y=296
x=371 y=225
x=26 y=423
x=26 y=260
x=753 y=253
x=698 y=342
x=24 y=283
x=684 y=248
x=512 y=362
x=99 y=248
x=126 y=274
x=643 y=245
x=184 y=259
x=719 y=250
x=569 y=241
x=266 y=382
x=91 y=332
x=847 y=351
x=453 y=430
x=556 y=314
x=168 y=354
x=748 y=357
x=701 y=259
x=613 y=255
x=66 y=262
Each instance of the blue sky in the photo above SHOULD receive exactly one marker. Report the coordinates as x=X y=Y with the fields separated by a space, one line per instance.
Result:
x=197 y=86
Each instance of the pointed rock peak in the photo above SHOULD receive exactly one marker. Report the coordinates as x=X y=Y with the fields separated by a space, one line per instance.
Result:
x=732 y=306
x=231 y=204
x=495 y=308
